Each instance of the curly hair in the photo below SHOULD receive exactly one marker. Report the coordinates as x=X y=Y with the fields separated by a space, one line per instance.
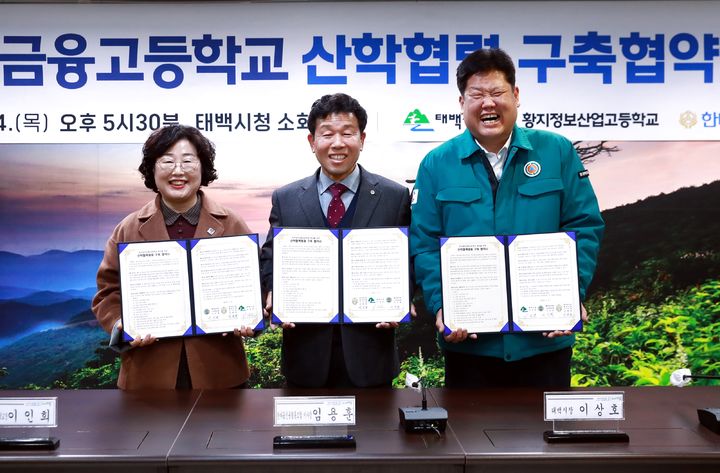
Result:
x=163 y=139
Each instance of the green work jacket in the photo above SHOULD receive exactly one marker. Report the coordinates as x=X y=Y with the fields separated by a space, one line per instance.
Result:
x=453 y=197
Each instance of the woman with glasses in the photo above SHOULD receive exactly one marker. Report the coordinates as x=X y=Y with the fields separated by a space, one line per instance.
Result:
x=177 y=161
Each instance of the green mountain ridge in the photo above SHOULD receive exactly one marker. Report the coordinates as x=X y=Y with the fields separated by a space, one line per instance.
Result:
x=43 y=357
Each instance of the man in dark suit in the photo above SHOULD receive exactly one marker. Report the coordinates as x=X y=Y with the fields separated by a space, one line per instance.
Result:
x=339 y=194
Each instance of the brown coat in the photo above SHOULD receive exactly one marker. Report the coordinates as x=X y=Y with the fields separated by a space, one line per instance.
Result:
x=214 y=361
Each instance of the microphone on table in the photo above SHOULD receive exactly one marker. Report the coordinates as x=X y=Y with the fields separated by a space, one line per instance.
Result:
x=708 y=416
x=422 y=419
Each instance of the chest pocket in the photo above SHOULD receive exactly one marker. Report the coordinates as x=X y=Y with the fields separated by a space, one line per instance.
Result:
x=540 y=187
x=464 y=210
x=459 y=195
x=539 y=203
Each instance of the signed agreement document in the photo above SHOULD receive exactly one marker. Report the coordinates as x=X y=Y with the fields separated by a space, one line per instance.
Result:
x=325 y=275
x=190 y=287
x=514 y=283
x=474 y=286
x=376 y=275
x=306 y=276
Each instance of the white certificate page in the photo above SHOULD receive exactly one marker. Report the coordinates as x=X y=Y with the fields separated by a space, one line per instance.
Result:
x=376 y=275
x=305 y=275
x=226 y=283
x=474 y=286
x=154 y=286
x=544 y=282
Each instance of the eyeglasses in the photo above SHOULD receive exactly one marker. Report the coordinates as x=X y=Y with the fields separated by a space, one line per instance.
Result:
x=185 y=164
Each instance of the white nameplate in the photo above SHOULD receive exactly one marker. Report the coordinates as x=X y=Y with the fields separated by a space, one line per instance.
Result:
x=314 y=410
x=604 y=405
x=28 y=412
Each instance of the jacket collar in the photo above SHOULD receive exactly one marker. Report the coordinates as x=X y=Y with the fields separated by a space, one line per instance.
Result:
x=153 y=207
x=467 y=145
x=368 y=196
x=310 y=202
x=152 y=224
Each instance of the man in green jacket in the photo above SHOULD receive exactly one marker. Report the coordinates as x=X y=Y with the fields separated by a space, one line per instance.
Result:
x=499 y=179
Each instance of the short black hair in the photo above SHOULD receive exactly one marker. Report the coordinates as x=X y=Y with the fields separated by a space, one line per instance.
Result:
x=336 y=103
x=163 y=139
x=483 y=61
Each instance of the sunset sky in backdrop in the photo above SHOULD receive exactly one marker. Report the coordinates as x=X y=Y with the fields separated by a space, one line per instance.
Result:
x=70 y=197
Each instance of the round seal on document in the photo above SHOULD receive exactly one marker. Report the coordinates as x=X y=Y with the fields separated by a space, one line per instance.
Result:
x=532 y=169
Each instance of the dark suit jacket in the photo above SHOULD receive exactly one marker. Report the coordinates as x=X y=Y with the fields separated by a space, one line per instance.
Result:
x=370 y=353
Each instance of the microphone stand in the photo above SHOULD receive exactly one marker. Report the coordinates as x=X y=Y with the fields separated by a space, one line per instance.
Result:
x=424 y=395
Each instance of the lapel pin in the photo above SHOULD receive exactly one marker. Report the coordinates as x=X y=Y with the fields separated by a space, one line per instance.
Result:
x=372 y=191
x=211 y=231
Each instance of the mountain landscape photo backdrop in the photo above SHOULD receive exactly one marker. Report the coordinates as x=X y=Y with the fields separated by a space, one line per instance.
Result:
x=654 y=302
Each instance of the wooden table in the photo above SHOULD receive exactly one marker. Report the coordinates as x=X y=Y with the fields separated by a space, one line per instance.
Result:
x=501 y=430
x=109 y=429
x=488 y=430
x=233 y=431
